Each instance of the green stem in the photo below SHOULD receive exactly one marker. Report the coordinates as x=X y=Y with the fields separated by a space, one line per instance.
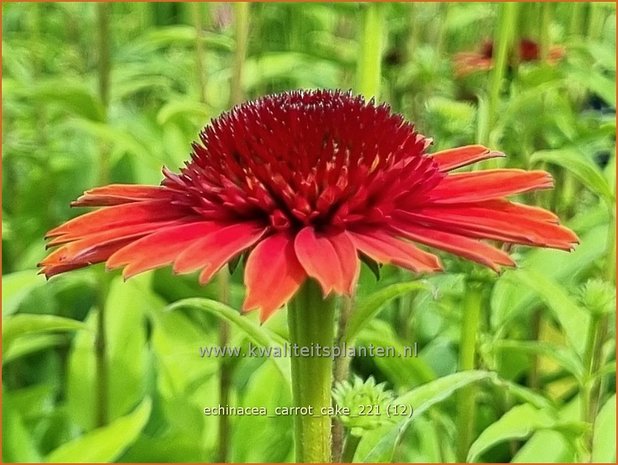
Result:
x=104 y=65
x=503 y=39
x=351 y=444
x=577 y=18
x=225 y=370
x=100 y=344
x=371 y=43
x=311 y=323
x=588 y=388
x=199 y=51
x=610 y=264
x=341 y=372
x=241 y=24
x=100 y=355
x=545 y=39
x=467 y=357
x=596 y=18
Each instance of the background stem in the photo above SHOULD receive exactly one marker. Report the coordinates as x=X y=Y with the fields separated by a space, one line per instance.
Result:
x=467 y=357
x=503 y=40
x=199 y=51
x=351 y=444
x=371 y=42
x=100 y=344
x=341 y=373
x=225 y=370
x=241 y=23
x=311 y=322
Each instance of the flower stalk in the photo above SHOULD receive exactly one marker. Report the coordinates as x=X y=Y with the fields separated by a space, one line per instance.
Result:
x=467 y=357
x=311 y=322
x=241 y=33
x=199 y=51
x=371 y=42
x=100 y=343
x=503 y=39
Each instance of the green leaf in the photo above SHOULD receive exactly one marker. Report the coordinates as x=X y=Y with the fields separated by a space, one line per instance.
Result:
x=569 y=314
x=371 y=305
x=379 y=445
x=16 y=286
x=563 y=356
x=126 y=354
x=18 y=445
x=71 y=96
x=33 y=343
x=604 y=442
x=578 y=164
x=258 y=334
x=510 y=299
x=518 y=423
x=104 y=444
x=183 y=108
x=27 y=324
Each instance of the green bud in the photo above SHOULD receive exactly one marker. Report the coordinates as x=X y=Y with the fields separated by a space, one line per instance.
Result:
x=367 y=403
x=598 y=296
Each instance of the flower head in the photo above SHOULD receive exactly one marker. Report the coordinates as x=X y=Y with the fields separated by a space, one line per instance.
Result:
x=527 y=50
x=305 y=183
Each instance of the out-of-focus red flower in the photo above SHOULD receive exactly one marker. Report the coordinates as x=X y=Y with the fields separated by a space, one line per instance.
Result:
x=527 y=50
x=305 y=183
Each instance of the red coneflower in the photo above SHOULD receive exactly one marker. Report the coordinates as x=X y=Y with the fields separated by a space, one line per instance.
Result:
x=305 y=182
x=527 y=50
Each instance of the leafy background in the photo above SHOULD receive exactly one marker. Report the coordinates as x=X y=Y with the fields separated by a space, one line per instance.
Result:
x=96 y=93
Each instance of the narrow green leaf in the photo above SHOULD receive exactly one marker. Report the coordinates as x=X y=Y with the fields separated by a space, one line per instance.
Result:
x=578 y=164
x=566 y=358
x=27 y=345
x=371 y=305
x=15 y=287
x=104 y=444
x=379 y=445
x=569 y=314
x=518 y=423
x=258 y=334
x=25 y=324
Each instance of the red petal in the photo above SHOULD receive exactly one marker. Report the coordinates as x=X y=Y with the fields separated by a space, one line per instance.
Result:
x=80 y=252
x=131 y=230
x=488 y=223
x=117 y=216
x=385 y=248
x=116 y=194
x=160 y=248
x=488 y=184
x=532 y=212
x=64 y=259
x=272 y=275
x=459 y=245
x=217 y=248
x=451 y=159
x=329 y=258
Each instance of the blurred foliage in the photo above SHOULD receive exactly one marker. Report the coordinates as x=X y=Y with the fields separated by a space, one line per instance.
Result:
x=63 y=134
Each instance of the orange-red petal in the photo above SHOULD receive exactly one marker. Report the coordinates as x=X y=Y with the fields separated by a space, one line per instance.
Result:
x=272 y=274
x=329 y=258
x=160 y=248
x=216 y=249
x=116 y=194
x=385 y=248
x=488 y=223
x=451 y=159
x=117 y=216
x=459 y=245
x=488 y=184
